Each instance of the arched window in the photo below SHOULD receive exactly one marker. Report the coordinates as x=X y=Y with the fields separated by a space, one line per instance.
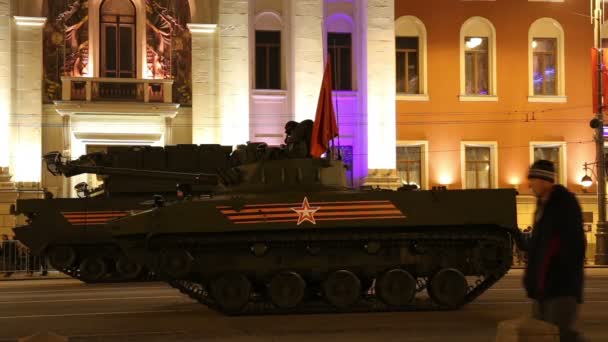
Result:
x=546 y=61
x=478 y=60
x=410 y=44
x=268 y=52
x=340 y=46
x=118 y=51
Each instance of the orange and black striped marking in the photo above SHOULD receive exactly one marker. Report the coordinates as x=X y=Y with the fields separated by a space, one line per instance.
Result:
x=312 y=212
x=92 y=217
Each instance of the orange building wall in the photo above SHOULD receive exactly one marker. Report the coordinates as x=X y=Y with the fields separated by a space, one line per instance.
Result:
x=512 y=122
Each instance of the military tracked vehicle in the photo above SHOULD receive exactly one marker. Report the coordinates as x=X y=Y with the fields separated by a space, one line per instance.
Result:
x=72 y=232
x=283 y=234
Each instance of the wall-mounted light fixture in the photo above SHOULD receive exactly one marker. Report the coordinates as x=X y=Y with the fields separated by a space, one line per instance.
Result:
x=587 y=181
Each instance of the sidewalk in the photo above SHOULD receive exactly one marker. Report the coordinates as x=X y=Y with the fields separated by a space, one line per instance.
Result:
x=37 y=275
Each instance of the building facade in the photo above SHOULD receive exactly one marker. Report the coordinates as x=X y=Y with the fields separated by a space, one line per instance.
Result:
x=456 y=93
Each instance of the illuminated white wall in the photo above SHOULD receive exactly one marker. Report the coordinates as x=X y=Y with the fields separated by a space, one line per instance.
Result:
x=26 y=125
x=307 y=44
x=5 y=80
x=205 y=120
x=233 y=71
x=381 y=84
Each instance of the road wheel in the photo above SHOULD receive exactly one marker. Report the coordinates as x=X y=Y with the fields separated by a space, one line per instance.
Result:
x=62 y=257
x=175 y=263
x=231 y=292
x=286 y=289
x=127 y=269
x=342 y=289
x=448 y=287
x=93 y=269
x=396 y=287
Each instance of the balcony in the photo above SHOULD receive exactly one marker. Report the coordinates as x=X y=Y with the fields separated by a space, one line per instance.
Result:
x=116 y=89
x=88 y=95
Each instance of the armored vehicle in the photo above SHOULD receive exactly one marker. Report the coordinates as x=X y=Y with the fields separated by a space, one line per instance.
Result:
x=72 y=232
x=283 y=234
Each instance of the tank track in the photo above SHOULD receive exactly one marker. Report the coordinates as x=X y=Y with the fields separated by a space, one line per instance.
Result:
x=74 y=272
x=112 y=276
x=259 y=304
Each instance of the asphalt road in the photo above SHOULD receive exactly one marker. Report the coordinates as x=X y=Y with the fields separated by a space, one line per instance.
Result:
x=155 y=312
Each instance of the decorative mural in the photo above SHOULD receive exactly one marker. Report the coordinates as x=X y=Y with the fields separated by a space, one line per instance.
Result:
x=168 y=45
x=66 y=44
x=168 y=48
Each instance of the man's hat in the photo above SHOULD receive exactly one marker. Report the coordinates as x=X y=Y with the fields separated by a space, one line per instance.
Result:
x=542 y=169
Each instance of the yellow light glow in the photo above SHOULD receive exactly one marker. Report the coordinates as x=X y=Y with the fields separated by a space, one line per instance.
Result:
x=445 y=179
x=27 y=162
x=514 y=181
x=534 y=44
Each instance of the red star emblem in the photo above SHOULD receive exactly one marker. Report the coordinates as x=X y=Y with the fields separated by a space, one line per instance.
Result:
x=306 y=212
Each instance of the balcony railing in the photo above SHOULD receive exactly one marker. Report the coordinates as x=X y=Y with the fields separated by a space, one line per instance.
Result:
x=116 y=89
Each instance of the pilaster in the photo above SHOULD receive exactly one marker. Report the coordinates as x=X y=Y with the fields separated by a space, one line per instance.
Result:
x=381 y=118
x=234 y=75
x=5 y=80
x=307 y=42
x=26 y=135
x=205 y=119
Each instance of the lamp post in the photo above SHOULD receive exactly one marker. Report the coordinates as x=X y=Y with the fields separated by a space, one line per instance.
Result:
x=601 y=247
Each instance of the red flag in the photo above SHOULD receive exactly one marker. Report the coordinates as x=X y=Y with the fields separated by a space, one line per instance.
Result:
x=594 y=54
x=325 y=127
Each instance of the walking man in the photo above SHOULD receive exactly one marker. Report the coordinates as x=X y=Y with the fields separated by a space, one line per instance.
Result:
x=556 y=250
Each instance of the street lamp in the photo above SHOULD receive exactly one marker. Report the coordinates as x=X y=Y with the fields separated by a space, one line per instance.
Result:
x=587 y=181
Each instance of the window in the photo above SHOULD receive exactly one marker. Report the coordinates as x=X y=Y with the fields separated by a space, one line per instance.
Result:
x=476 y=66
x=408 y=73
x=478 y=60
x=479 y=163
x=117 y=20
x=339 y=47
x=554 y=151
x=411 y=71
x=268 y=59
x=409 y=164
x=550 y=153
x=545 y=66
x=546 y=62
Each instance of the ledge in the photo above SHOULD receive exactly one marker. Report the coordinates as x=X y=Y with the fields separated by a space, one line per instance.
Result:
x=269 y=95
x=413 y=97
x=548 y=99
x=71 y=108
x=202 y=28
x=478 y=98
x=29 y=21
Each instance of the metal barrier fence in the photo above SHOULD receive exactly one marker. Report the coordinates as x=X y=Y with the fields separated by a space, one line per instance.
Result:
x=16 y=258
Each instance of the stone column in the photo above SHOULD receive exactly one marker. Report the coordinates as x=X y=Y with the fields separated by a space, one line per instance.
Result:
x=5 y=82
x=26 y=135
x=307 y=44
x=381 y=118
x=234 y=75
x=205 y=119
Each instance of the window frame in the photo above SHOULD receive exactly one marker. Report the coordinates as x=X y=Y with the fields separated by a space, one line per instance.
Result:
x=480 y=27
x=424 y=159
x=336 y=72
x=493 y=145
x=563 y=177
x=267 y=47
x=269 y=20
x=103 y=40
x=547 y=28
x=411 y=26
